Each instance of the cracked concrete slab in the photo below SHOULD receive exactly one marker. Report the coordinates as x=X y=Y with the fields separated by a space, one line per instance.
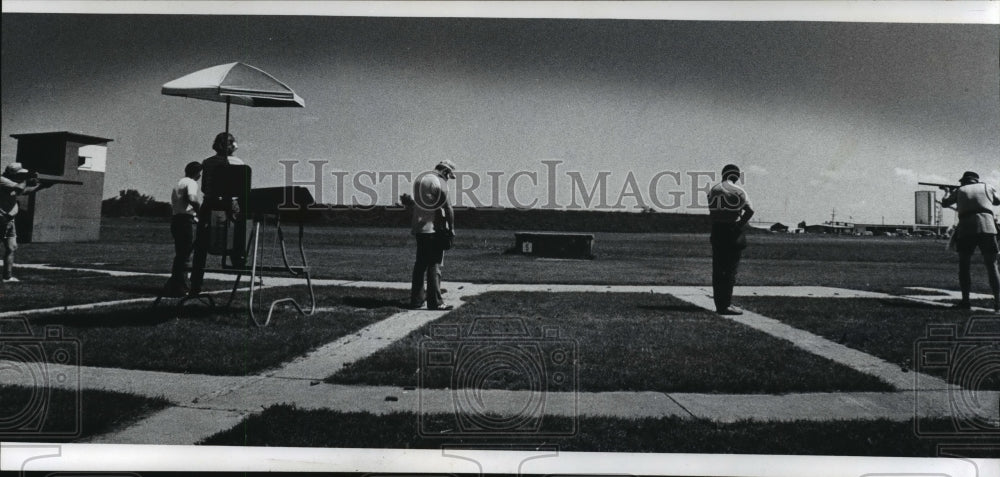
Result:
x=174 y=426
x=180 y=388
x=329 y=359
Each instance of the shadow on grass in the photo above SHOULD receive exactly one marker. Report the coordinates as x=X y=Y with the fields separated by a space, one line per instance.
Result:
x=285 y=425
x=144 y=290
x=68 y=415
x=908 y=305
x=670 y=308
x=976 y=302
x=131 y=317
x=198 y=339
x=892 y=330
x=44 y=289
x=618 y=342
x=371 y=303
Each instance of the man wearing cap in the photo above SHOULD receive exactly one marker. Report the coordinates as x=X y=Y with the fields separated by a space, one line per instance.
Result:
x=15 y=181
x=730 y=211
x=431 y=215
x=977 y=228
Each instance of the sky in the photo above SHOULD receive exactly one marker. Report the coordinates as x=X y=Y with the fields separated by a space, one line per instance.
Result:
x=824 y=118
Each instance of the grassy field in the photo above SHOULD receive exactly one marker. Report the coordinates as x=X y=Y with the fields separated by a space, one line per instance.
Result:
x=889 y=329
x=285 y=425
x=624 y=342
x=386 y=254
x=70 y=416
x=198 y=339
x=640 y=342
x=52 y=288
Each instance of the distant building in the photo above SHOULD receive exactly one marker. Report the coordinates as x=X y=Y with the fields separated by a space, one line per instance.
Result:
x=64 y=212
x=926 y=208
x=838 y=228
x=852 y=228
x=779 y=227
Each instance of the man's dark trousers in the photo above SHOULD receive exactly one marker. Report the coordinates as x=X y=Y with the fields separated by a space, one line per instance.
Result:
x=728 y=243
x=182 y=228
x=203 y=238
x=429 y=258
x=201 y=243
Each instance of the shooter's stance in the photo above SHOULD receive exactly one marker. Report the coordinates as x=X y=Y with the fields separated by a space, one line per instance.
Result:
x=15 y=181
x=730 y=212
x=976 y=228
x=433 y=224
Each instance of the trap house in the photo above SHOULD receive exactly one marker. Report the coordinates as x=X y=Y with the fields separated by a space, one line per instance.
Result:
x=70 y=212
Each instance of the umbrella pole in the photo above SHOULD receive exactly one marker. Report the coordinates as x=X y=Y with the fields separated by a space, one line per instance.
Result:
x=227 y=114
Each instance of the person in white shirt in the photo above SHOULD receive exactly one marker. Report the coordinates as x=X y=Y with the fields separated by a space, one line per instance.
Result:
x=185 y=201
x=730 y=211
x=432 y=215
x=974 y=202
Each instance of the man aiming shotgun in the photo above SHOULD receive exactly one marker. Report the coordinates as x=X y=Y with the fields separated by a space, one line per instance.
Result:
x=948 y=188
x=16 y=181
x=977 y=228
x=48 y=181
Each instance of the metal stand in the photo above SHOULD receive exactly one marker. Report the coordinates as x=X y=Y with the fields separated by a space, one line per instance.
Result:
x=267 y=203
x=258 y=268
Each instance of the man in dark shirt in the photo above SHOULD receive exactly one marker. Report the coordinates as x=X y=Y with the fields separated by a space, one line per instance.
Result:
x=215 y=201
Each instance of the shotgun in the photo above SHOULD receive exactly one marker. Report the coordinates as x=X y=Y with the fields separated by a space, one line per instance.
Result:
x=47 y=179
x=946 y=187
